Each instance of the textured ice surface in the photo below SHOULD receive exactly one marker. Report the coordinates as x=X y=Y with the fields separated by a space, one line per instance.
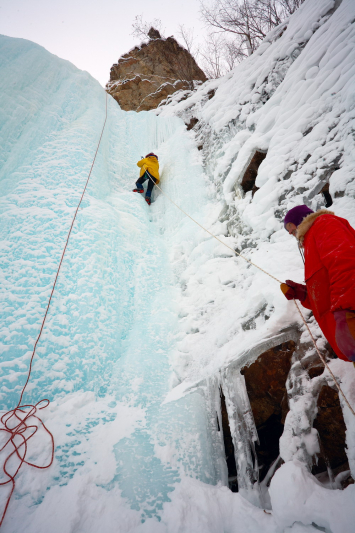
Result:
x=103 y=359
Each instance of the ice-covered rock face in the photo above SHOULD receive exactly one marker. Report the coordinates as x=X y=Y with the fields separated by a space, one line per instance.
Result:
x=292 y=98
x=293 y=101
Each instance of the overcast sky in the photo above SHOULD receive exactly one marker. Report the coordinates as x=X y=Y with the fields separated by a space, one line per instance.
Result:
x=92 y=34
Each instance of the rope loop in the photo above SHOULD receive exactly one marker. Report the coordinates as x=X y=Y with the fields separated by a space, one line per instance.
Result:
x=19 y=426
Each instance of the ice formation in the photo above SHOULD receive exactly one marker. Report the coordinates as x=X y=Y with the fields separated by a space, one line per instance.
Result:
x=151 y=316
x=293 y=101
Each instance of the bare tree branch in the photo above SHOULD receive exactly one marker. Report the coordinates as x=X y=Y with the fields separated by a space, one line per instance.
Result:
x=212 y=55
x=141 y=27
x=247 y=20
x=187 y=37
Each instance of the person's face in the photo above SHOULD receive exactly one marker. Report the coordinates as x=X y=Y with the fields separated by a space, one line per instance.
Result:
x=291 y=228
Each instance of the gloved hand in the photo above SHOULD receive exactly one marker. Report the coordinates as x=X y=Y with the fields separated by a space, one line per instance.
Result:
x=345 y=332
x=294 y=291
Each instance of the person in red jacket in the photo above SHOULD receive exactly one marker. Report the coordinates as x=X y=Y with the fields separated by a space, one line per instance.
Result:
x=328 y=243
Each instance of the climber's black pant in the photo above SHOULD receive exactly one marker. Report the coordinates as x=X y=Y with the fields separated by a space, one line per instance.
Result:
x=151 y=182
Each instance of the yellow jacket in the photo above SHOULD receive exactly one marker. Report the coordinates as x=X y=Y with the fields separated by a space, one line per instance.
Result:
x=151 y=164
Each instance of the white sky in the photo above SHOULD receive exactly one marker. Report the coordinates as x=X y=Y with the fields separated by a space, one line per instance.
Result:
x=92 y=34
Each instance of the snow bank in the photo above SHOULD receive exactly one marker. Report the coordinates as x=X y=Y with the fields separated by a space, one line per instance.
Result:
x=297 y=497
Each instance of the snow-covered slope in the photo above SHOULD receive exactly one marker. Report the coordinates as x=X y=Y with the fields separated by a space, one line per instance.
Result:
x=148 y=306
x=292 y=100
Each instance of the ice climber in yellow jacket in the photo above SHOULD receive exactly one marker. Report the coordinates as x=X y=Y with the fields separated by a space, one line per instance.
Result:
x=149 y=171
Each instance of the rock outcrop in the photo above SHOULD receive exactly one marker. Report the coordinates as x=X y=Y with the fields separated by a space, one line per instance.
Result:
x=266 y=385
x=151 y=72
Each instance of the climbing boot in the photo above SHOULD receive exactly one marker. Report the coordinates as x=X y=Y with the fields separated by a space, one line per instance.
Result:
x=138 y=190
x=148 y=200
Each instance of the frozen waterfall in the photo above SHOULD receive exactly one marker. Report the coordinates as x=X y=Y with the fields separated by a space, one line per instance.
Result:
x=103 y=359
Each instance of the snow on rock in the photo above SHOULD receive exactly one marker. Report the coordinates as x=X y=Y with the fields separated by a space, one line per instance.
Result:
x=346 y=377
x=293 y=101
x=296 y=496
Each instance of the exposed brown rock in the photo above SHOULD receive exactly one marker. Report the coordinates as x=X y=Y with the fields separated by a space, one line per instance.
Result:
x=248 y=181
x=211 y=93
x=331 y=429
x=192 y=123
x=315 y=370
x=266 y=385
x=266 y=382
x=148 y=74
x=154 y=34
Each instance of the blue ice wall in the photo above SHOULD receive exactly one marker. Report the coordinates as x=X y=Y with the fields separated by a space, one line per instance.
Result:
x=112 y=323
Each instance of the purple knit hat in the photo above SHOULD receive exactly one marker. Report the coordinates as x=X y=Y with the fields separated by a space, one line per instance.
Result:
x=297 y=214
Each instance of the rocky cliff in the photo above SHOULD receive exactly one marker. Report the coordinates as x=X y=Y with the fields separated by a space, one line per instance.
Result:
x=149 y=73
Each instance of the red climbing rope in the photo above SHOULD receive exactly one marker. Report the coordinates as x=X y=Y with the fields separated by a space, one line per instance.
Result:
x=22 y=423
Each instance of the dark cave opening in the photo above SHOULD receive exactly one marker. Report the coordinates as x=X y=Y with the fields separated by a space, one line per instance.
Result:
x=331 y=428
x=266 y=386
x=327 y=196
x=265 y=380
x=267 y=450
x=248 y=181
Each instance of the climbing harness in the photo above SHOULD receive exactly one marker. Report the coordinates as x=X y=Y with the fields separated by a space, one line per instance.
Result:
x=273 y=277
x=22 y=423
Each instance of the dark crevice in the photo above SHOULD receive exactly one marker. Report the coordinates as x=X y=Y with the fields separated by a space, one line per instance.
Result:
x=267 y=450
x=192 y=123
x=331 y=431
x=327 y=195
x=228 y=447
x=266 y=385
x=248 y=181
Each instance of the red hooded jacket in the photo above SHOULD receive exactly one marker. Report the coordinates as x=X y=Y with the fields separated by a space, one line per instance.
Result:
x=329 y=250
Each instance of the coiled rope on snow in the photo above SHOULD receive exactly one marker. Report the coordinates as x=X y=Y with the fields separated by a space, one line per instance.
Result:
x=22 y=423
x=273 y=277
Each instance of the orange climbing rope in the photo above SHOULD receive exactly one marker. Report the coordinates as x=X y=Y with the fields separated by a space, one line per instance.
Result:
x=22 y=423
x=273 y=277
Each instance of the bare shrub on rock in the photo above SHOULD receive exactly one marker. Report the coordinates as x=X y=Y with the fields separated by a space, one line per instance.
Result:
x=141 y=28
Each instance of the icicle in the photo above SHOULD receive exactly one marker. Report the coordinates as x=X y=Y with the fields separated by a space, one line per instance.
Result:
x=213 y=405
x=242 y=426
